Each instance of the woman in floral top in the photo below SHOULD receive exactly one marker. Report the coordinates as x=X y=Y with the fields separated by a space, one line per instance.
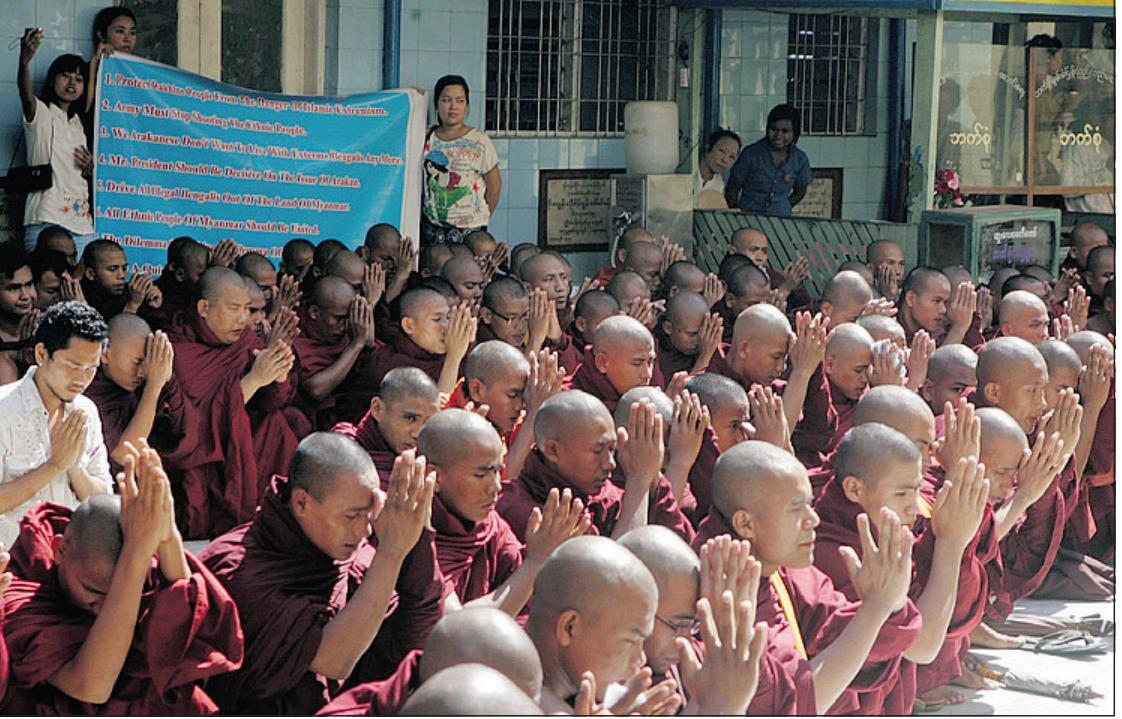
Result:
x=462 y=181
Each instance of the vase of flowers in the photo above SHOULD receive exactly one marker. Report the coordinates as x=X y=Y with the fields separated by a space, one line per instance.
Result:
x=947 y=192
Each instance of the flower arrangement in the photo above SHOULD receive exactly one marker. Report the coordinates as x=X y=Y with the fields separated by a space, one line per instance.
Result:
x=947 y=190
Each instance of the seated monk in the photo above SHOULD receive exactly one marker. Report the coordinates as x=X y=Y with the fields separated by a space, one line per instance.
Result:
x=49 y=271
x=722 y=677
x=844 y=297
x=928 y=302
x=745 y=287
x=727 y=403
x=687 y=335
x=633 y=294
x=951 y=373
x=483 y=244
x=294 y=568
x=576 y=444
x=550 y=272
x=321 y=256
x=138 y=396
x=825 y=643
x=884 y=261
x=645 y=259
x=519 y=254
x=883 y=327
x=684 y=422
x=1022 y=314
x=833 y=392
x=683 y=276
x=258 y=308
x=434 y=337
x=406 y=399
x=622 y=356
x=470 y=690
x=337 y=332
x=296 y=258
x=260 y=269
x=348 y=266
x=753 y=244
x=384 y=246
x=187 y=260
x=628 y=239
x=106 y=284
x=432 y=260
x=761 y=342
x=481 y=635
x=481 y=559
x=594 y=605
x=591 y=308
x=59 y=239
x=108 y=614
x=505 y=313
x=862 y=269
x=17 y=309
x=226 y=371
x=876 y=467
x=464 y=274
x=1099 y=271
x=1106 y=321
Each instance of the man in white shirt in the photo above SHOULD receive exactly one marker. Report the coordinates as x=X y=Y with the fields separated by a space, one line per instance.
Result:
x=51 y=447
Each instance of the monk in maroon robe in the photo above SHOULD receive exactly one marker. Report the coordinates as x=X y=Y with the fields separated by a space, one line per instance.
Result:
x=106 y=286
x=622 y=356
x=137 y=395
x=178 y=282
x=832 y=648
x=482 y=560
x=405 y=401
x=876 y=466
x=228 y=372
x=77 y=576
x=337 y=333
x=687 y=336
x=476 y=635
x=576 y=449
x=319 y=604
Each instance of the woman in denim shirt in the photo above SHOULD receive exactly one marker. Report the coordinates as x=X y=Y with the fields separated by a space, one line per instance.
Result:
x=772 y=174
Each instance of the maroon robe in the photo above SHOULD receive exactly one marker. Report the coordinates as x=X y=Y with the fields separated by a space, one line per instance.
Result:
x=367 y=435
x=701 y=477
x=398 y=350
x=663 y=508
x=385 y=697
x=108 y=305
x=476 y=558
x=314 y=354
x=670 y=360
x=531 y=489
x=288 y=590
x=825 y=411
x=823 y=614
x=569 y=352
x=591 y=380
x=178 y=297
x=187 y=632
x=720 y=365
x=240 y=446
x=175 y=431
x=1097 y=538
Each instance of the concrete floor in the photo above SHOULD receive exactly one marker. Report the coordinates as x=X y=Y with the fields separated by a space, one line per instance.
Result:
x=1098 y=670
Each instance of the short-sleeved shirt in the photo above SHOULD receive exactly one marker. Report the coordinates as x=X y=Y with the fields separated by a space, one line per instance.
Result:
x=25 y=444
x=52 y=138
x=455 y=194
x=767 y=188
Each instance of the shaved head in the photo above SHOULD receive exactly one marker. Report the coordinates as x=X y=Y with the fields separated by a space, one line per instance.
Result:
x=653 y=395
x=487 y=636
x=999 y=426
x=882 y=250
x=664 y=553
x=535 y=267
x=617 y=332
x=332 y=291
x=257 y=266
x=685 y=307
x=872 y=451
x=951 y=369
x=1023 y=314
x=646 y=259
x=403 y=382
x=683 y=276
x=730 y=264
x=323 y=458
x=1058 y=355
x=626 y=286
x=998 y=278
x=760 y=321
x=464 y=274
x=743 y=472
x=216 y=280
x=563 y=412
x=716 y=391
x=1085 y=237
x=747 y=239
x=883 y=327
x=845 y=295
x=433 y=258
x=591 y=309
x=348 y=265
x=957 y=274
x=500 y=289
x=848 y=339
x=127 y=325
x=744 y=280
x=1002 y=355
x=1083 y=341
x=412 y=301
x=452 y=434
x=519 y=255
x=325 y=251
x=858 y=267
x=94 y=531
x=492 y=359
x=886 y=403
x=469 y=690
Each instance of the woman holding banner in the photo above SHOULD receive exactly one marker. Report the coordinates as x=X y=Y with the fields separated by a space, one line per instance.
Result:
x=461 y=173
x=52 y=126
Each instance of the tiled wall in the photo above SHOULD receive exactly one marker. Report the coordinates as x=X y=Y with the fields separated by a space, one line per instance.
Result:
x=754 y=79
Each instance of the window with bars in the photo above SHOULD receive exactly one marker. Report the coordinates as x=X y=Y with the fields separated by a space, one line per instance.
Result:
x=568 y=67
x=828 y=61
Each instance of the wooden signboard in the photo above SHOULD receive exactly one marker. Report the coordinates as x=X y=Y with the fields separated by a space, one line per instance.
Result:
x=824 y=196
x=574 y=209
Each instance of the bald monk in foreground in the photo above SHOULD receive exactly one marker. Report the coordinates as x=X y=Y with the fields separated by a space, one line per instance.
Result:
x=576 y=446
x=550 y=272
x=239 y=383
x=688 y=335
x=622 y=356
x=481 y=559
x=337 y=331
x=294 y=568
x=1023 y=314
x=479 y=635
x=588 y=640
x=108 y=614
x=470 y=690
x=714 y=597
x=762 y=341
x=137 y=395
x=952 y=371
x=878 y=467
x=825 y=643
x=405 y=401
x=844 y=297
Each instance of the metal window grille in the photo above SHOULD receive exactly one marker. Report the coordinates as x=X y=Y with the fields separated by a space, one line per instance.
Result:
x=827 y=58
x=567 y=67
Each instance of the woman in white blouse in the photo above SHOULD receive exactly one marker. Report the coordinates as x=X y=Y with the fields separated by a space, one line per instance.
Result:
x=721 y=150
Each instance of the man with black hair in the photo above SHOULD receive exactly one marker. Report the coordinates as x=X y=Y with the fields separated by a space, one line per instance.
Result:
x=49 y=270
x=17 y=301
x=48 y=417
x=57 y=237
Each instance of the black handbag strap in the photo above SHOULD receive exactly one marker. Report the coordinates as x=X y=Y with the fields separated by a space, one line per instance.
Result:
x=23 y=132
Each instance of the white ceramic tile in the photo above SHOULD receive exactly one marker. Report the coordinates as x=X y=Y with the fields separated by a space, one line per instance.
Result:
x=522 y=226
x=521 y=189
x=435 y=30
x=357 y=27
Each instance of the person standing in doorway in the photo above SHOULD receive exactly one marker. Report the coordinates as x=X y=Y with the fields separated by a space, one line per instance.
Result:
x=772 y=174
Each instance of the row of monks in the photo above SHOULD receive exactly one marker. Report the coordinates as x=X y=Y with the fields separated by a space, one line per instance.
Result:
x=449 y=484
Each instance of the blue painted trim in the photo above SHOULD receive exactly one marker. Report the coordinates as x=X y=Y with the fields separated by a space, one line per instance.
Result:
x=391 y=45
x=1055 y=10
x=711 y=87
x=840 y=5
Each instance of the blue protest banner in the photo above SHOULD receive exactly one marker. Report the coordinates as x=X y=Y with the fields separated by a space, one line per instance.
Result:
x=180 y=154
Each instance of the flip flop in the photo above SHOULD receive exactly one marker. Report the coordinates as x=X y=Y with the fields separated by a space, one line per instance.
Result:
x=1068 y=641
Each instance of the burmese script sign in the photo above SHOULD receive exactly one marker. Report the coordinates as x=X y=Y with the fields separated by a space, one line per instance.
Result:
x=574 y=209
x=180 y=154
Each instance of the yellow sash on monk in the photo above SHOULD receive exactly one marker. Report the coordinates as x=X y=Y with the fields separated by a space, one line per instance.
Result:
x=924 y=506
x=789 y=612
